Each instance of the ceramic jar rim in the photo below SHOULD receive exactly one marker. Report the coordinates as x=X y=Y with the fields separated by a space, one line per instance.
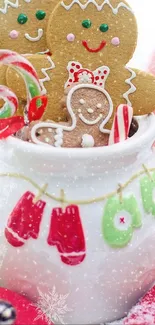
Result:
x=142 y=139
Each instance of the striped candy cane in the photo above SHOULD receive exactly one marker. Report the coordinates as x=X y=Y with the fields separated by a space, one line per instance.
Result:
x=11 y=102
x=121 y=124
x=25 y=68
x=36 y=104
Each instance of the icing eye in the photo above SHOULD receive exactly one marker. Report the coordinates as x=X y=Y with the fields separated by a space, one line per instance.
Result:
x=98 y=105
x=40 y=14
x=86 y=23
x=104 y=28
x=22 y=19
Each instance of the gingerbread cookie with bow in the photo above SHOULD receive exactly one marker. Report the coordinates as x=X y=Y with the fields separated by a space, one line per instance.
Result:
x=93 y=35
x=88 y=108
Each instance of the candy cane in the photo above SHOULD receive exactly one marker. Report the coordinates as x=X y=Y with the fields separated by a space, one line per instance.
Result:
x=26 y=70
x=121 y=124
x=11 y=102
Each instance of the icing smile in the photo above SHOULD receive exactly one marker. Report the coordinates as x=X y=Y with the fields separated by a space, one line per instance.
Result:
x=99 y=48
x=37 y=38
x=84 y=120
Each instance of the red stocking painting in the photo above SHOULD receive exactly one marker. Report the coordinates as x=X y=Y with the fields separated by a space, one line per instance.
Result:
x=66 y=233
x=24 y=221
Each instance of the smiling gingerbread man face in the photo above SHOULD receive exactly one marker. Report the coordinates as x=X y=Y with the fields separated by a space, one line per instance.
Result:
x=93 y=29
x=23 y=25
x=90 y=105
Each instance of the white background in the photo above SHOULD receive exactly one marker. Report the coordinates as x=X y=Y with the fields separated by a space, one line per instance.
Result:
x=145 y=13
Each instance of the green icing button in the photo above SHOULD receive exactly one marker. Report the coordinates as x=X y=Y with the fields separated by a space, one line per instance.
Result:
x=40 y=14
x=119 y=220
x=86 y=23
x=22 y=19
x=104 y=28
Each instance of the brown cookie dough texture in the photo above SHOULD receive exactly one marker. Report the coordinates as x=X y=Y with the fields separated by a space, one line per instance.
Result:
x=109 y=41
x=30 y=28
x=86 y=110
x=28 y=37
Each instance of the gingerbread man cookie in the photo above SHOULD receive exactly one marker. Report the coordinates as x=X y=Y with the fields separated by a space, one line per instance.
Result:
x=23 y=24
x=86 y=35
x=88 y=109
x=23 y=29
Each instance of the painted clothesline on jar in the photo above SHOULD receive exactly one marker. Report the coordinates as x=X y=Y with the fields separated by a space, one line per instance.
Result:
x=62 y=199
x=121 y=217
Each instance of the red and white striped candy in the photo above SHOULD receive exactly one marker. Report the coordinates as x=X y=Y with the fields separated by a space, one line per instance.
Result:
x=11 y=102
x=121 y=124
x=25 y=68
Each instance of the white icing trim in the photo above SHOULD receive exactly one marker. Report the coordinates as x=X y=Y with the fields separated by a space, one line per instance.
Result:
x=91 y=87
x=132 y=88
x=8 y=4
x=72 y=115
x=98 y=7
x=84 y=120
x=73 y=254
x=37 y=38
x=15 y=235
x=45 y=52
x=58 y=137
x=44 y=72
x=42 y=125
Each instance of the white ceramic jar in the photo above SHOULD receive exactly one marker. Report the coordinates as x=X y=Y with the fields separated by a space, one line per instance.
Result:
x=98 y=257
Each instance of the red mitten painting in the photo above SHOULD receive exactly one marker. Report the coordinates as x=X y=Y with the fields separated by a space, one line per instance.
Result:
x=66 y=232
x=24 y=221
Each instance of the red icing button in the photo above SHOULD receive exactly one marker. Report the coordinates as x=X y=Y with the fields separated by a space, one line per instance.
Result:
x=35 y=112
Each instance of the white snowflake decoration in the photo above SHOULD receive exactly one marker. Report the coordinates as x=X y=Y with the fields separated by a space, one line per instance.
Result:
x=52 y=306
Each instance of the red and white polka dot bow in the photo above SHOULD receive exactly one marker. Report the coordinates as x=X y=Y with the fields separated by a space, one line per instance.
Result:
x=78 y=74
